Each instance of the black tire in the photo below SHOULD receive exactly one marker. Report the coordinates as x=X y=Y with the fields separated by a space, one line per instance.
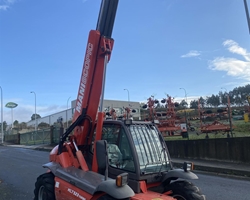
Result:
x=44 y=187
x=184 y=190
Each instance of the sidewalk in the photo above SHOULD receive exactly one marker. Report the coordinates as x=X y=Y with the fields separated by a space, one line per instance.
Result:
x=218 y=167
x=39 y=147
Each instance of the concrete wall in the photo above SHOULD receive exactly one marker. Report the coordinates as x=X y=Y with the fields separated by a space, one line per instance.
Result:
x=227 y=149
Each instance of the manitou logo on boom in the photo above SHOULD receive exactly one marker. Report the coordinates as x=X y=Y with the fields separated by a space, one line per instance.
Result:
x=84 y=78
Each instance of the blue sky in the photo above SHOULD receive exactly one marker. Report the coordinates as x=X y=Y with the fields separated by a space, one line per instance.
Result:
x=160 y=46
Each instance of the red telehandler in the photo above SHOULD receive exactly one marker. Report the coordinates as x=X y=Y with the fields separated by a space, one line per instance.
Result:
x=110 y=159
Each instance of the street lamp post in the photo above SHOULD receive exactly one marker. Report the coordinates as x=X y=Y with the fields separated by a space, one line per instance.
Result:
x=128 y=94
x=35 y=110
x=2 y=112
x=185 y=107
x=185 y=94
x=247 y=14
x=67 y=112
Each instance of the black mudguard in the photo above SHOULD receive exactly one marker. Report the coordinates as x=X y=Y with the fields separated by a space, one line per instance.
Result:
x=178 y=173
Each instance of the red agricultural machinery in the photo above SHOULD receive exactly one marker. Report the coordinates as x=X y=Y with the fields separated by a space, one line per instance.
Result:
x=211 y=122
x=167 y=122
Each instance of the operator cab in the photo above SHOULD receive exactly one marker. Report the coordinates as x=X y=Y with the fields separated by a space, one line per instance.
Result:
x=137 y=148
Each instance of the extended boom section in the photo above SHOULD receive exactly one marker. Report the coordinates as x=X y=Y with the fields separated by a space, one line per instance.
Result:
x=98 y=51
x=106 y=17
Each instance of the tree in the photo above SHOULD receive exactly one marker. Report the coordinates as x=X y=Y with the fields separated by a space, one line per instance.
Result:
x=194 y=104
x=202 y=102
x=43 y=125
x=223 y=98
x=213 y=101
x=22 y=125
x=35 y=116
x=4 y=126
x=183 y=104
x=15 y=123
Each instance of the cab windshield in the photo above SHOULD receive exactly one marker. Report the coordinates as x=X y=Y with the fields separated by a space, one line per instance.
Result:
x=150 y=149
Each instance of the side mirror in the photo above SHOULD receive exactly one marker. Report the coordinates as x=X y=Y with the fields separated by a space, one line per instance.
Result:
x=188 y=166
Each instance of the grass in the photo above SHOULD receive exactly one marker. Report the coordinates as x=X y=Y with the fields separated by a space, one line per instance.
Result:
x=241 y=129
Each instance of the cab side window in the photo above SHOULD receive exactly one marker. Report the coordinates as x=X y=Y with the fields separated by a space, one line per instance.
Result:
x=119 y=152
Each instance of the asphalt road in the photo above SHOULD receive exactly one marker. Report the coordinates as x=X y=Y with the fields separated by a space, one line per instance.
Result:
x=20 y=167
x=223 y=187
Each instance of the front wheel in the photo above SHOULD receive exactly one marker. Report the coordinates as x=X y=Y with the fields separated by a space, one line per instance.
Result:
x=184 y=190
x=44 y=187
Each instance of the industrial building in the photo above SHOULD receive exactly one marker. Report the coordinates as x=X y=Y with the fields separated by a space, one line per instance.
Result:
x=67 y=115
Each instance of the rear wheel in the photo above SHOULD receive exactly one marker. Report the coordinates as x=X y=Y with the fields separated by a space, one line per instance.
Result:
x=184 y=190
x=44 y=187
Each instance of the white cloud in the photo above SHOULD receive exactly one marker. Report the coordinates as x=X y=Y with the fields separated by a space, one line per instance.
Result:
x=235 y=48
x=4 y=7
x=23 y=113
x=5 y=4
x=192 y=53
x=234 y=67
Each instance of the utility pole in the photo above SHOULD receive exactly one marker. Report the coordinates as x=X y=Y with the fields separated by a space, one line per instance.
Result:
x=247 y=15
x=128 y=95
x=35 y=110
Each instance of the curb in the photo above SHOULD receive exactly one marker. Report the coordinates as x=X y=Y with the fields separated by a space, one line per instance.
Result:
x=43 y=149
x=231 y=172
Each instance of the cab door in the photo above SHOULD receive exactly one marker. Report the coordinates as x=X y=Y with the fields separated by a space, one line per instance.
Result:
x=119 y=149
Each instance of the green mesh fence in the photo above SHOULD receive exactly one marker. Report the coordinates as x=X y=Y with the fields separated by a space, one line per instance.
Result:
x=45 y=136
